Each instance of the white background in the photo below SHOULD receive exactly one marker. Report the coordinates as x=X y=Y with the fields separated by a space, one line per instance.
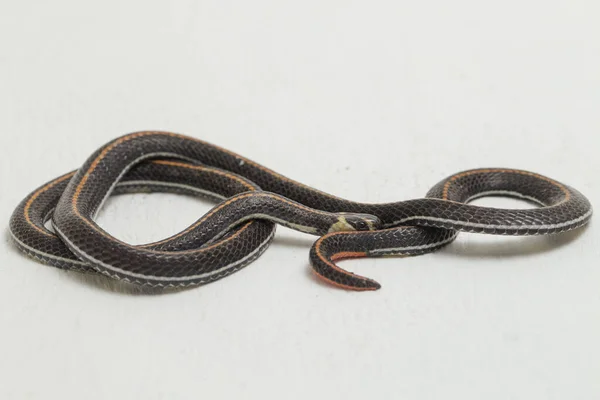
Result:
x=373 y=101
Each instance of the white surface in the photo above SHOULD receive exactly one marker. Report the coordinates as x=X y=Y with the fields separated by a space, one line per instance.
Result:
x=374 y=101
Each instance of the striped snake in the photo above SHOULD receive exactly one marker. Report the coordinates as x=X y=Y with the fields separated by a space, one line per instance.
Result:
x=253 y=200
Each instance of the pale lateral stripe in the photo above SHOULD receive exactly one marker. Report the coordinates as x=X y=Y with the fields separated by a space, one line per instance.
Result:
x=410 y=248
x=46 y=255
x=165 y=278
x=494 y=226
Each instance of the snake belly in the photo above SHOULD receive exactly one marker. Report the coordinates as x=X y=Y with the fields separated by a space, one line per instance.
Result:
x=239 y=229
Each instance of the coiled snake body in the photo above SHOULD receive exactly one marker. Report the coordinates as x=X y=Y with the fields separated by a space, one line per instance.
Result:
x=253 y=200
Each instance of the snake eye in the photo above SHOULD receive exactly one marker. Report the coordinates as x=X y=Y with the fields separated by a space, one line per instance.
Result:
x=364 y=222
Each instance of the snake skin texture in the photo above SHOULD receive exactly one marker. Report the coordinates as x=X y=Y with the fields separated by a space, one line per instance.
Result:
x=238 y=229
x=27 y=224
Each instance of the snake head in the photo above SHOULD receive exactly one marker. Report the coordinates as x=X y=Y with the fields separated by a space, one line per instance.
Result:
x=355 y=222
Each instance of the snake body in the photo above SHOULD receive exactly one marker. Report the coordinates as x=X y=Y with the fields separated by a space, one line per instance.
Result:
x=253 y=199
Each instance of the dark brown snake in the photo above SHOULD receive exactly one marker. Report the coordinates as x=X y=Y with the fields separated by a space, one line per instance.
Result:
x=254 y=200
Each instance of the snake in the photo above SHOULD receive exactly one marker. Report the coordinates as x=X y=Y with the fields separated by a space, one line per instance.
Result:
x=55 y=224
